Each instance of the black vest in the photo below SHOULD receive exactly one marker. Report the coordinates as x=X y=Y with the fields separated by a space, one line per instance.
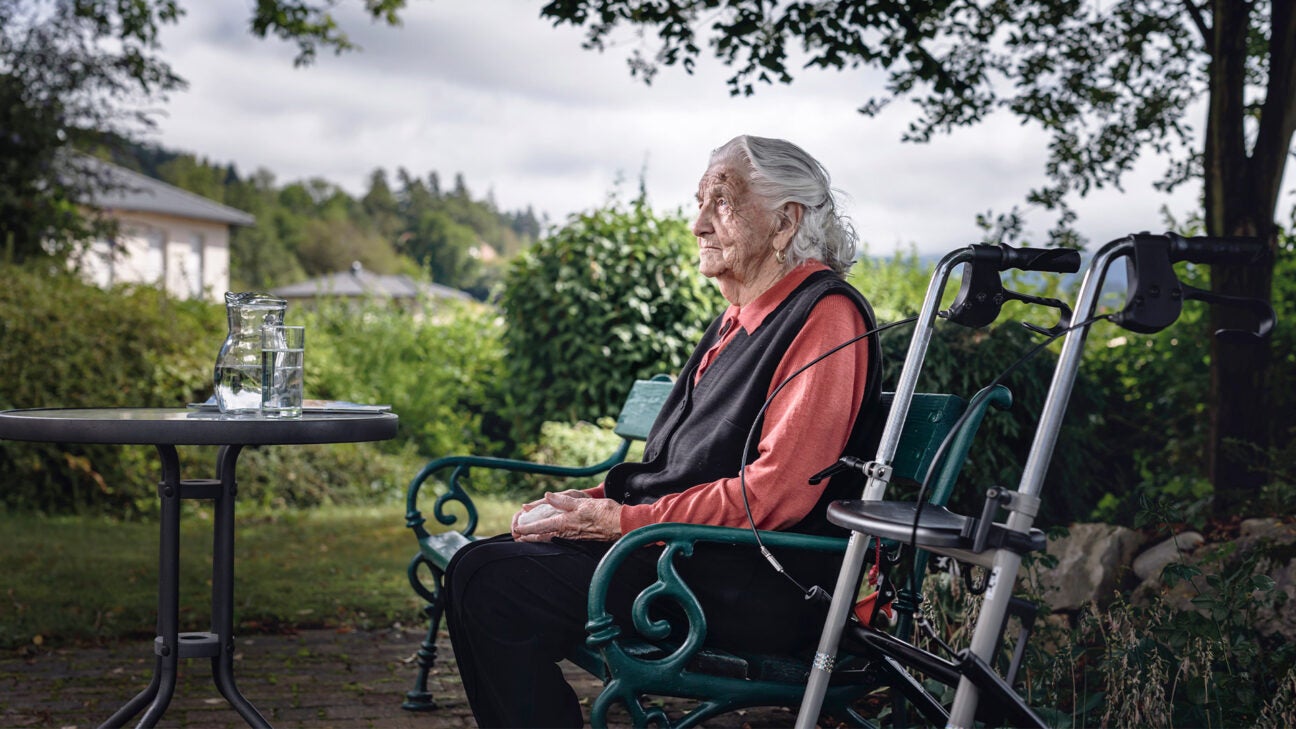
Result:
x=700 y=433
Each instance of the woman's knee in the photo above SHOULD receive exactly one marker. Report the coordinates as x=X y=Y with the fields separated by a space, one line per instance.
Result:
x=472 y=568
x=518 y=590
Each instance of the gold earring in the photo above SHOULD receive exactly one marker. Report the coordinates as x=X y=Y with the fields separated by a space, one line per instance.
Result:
x=780 y=255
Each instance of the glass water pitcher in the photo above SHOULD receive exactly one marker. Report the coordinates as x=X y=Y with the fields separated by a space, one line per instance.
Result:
x=238 y=365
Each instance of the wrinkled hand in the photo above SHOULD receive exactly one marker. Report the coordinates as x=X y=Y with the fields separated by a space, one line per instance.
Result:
x=531 y=505
x=578 y=517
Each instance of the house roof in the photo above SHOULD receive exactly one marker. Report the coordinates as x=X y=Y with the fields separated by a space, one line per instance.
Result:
x=130 y=191
x=357 y=282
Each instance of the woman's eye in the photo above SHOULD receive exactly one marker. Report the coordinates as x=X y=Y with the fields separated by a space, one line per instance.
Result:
x=722 y=203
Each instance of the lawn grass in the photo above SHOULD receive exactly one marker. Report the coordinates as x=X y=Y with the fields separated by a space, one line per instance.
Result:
x=71 y=580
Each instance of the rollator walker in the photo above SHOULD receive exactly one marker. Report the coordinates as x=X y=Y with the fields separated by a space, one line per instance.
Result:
x=1154 y=300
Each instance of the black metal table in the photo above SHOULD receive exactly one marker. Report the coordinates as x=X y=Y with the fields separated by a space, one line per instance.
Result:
x=165 y=429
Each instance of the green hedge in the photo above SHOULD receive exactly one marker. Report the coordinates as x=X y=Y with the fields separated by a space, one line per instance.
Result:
x=440 y=368
x=69 y=344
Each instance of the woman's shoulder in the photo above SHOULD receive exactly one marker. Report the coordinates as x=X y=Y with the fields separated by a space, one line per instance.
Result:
x=825 y=283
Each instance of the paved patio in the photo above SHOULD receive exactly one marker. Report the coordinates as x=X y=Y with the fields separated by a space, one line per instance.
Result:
x=312 y=678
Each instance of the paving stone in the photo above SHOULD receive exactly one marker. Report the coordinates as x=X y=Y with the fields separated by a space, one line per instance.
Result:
x=312 y=678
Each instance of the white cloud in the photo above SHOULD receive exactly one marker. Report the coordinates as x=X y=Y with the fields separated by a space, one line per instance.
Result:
x=490 y=90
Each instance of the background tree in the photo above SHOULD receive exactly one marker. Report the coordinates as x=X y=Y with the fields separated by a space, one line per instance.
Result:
x=381 y=205
x=443 y=247
x=261 y=256
x=1107 y=81
x=81 y=74
x=60 y=85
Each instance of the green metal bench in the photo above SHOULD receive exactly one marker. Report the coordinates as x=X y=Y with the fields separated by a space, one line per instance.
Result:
x=632 y=659
x=436 y=549
x=636 y=664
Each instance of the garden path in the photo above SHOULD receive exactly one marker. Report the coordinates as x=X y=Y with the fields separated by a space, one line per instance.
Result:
x=308 y=678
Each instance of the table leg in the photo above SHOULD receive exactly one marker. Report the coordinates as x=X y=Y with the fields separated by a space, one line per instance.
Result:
x=222 y=606
x=171 y=645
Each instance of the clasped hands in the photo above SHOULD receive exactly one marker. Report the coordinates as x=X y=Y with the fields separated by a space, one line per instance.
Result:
x=567 y=515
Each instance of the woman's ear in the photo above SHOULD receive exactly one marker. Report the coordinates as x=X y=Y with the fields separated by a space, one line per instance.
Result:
x=790 y=218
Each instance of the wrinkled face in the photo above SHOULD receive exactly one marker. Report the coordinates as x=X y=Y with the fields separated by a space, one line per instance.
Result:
x=733 y=227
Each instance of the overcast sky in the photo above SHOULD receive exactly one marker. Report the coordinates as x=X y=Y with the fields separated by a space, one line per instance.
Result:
x=490 y=90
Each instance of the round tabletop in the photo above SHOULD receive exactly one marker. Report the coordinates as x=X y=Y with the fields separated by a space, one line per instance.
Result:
x=188 y=426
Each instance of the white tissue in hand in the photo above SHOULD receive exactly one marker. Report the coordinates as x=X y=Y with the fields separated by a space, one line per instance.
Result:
x=543 y=511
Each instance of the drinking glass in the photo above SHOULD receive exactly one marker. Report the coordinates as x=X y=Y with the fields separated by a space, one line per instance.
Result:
x=283 y=371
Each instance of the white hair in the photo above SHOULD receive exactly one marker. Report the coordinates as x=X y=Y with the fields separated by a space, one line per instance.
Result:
x=781 y=172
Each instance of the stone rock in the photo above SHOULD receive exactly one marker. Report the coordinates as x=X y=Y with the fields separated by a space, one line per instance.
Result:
x=1275 y=537
x=1259 y=526
x=1152 y=560
x=1093 y=561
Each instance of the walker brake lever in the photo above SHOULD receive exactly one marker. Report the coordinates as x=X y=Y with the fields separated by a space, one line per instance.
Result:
x=1263 y=311
x=981 y=296
x=1064 y=313
x=1155 y=296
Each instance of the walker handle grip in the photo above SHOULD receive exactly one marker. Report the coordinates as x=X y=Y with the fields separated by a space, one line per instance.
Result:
x=1055 y=260
x=1217 y=249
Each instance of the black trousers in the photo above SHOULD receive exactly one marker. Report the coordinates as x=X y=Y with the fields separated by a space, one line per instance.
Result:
x=513 y=607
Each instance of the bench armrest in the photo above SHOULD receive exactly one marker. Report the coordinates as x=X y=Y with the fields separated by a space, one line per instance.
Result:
x=460 y=466
x=679 y=541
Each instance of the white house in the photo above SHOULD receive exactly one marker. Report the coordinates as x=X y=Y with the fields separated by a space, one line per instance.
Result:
x=166 y=236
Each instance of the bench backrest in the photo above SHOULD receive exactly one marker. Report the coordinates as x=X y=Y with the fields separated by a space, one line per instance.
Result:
x=931 y=416
x=930 y=419
x=641 y=407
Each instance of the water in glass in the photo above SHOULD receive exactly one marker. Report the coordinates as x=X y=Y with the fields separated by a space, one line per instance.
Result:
x=283 y=359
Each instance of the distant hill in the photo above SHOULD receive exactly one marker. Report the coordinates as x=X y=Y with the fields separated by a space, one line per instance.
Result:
x=403 y=224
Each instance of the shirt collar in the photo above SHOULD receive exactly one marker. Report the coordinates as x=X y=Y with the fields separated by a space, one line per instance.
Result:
x=751 y=316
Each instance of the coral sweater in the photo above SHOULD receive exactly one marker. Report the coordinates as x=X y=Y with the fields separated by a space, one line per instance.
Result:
x=804 y=428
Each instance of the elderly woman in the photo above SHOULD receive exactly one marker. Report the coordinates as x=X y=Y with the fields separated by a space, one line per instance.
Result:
x=770 y=236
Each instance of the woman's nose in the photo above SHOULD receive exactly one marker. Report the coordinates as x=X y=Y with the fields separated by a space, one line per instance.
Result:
x=702 y=225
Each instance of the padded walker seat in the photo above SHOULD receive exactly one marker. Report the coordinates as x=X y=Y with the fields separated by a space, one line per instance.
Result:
x=929 y=525
x=939 y=529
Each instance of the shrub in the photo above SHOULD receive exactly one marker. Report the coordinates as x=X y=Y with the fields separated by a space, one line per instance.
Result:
x=68 y=344
x=611 y=296
x=276 y=478
x=439 y=372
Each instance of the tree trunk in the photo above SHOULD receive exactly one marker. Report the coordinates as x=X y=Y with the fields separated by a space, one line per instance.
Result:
x=1241 y=197
x=1240 y=412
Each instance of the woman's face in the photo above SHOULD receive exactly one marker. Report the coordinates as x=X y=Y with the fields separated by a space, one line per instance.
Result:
x=733 y=227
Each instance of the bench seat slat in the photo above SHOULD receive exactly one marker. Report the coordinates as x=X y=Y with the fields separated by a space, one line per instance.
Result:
x=439 y=548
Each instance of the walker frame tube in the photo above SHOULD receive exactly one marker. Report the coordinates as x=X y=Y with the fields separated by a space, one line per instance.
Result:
x=857 y=545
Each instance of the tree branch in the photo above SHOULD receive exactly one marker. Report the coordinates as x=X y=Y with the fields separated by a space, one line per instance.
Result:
x=935 y=66
x=1200 y=21
x=1278 y=115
